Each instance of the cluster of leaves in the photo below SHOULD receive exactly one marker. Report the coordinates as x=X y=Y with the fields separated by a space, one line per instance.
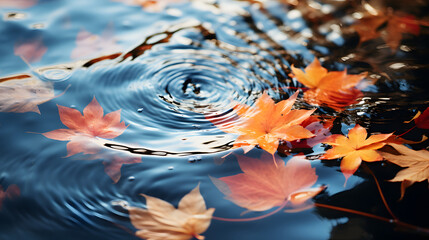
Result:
x=267 y=182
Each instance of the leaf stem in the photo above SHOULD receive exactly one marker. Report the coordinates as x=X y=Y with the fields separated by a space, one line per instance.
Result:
x=381 y=193
x=253 y=218
x=409 y=130
x=388 y=220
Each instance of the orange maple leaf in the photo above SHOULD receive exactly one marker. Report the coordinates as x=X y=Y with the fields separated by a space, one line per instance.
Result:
x=264 y=185
x=93 y=123
x=355 y=148
x=162 y=221
x=11 y=192
x=416 y=163
x=336 y=89
x=267 y=123
x=396 y=23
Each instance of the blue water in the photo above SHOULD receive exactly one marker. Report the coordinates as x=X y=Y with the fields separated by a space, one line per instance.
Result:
x=167 y=71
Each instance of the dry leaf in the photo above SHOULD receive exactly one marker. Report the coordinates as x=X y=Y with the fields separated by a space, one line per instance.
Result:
x=264 y=185
x=17 y=3
x=11 y=192
x=335 y=89
x=31 y=51
x=416 y=163
x=267 y=123
x=396 y=23
x=355 y=148
x=162 y=221
x=88 y=44
x=24 y=95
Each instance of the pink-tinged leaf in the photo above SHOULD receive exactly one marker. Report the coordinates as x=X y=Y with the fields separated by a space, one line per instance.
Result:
x=88 y=44
x=31 y=51
x=11 y=192
x=21 y=4
x=264 y=184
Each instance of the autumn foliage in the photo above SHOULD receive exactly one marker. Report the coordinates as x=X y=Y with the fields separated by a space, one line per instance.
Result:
x=267 y=123
x=264 y=184
x=335 y=89
x=161 y=220
x=355 y=148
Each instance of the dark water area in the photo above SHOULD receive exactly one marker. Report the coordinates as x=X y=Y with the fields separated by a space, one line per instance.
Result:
x=175 y=69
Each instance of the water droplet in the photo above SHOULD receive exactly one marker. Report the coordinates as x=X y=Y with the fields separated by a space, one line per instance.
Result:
x=14 y=16
x=140 y=110
x=171 y=168
x=73 y=106
x=121 y=203
x=38 y=26
x=194 y=159
x=196 y=126
x=131 y=178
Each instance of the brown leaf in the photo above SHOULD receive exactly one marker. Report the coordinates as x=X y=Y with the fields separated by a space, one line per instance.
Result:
x=24 y=95
x=416 y=163
x=162 y=221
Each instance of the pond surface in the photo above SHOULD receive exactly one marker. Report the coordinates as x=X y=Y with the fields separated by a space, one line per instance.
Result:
x=176 y=70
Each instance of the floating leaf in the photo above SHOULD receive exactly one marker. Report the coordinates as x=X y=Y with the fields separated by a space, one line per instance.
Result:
x=24 y=94
x=87 y=134
x=336 y=89
x=88 y=44
x=11 y=192
x=264 y=185
x=162 y=221
x=416 y=163
x=17 y=3
x=31 y=51
x=388 y=25
x=422 y=121
x=150 y=5
x=267 y=123
x=355 y=148
x=319 y=127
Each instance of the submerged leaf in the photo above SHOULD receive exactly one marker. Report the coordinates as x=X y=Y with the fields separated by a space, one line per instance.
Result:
x=24 y=95
x=31 y=51
x=336 y=89
x=355 y=148
x=17 y=3
x=88 y=44
x=264 y=185
x=416 y=163
x=388 y=25
x=267 y=123
x=162 y=221
x=11 y=192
